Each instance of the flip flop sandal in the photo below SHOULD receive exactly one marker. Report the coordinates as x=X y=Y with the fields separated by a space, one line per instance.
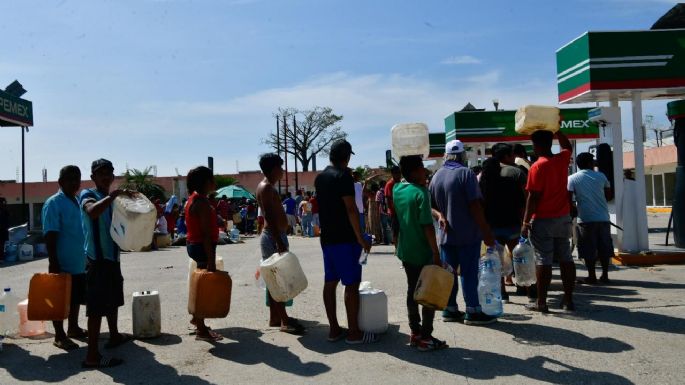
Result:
x=293 y=328
x=66 y=344
x=212 y=337
x=124 y=338
x=104 y=362
x=435 y=344
x=341 y=335
x=82 y=333
x=367 y=338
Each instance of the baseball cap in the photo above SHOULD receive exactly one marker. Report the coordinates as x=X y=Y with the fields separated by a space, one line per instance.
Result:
x=454 y=147
x=341 y=147
x=100 y=163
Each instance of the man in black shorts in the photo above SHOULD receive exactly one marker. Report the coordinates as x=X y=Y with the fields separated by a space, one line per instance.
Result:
x=63 y=231
x=104 y=282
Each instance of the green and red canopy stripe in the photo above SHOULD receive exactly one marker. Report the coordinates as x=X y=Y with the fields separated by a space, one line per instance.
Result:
x=600 y=62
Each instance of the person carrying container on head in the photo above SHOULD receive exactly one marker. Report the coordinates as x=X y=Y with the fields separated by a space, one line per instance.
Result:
x=547 y=217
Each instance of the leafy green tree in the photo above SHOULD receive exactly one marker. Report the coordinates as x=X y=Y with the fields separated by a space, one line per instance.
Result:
x=143 y=182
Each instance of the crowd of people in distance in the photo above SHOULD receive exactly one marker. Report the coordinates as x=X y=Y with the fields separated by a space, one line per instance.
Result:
x=440 y=219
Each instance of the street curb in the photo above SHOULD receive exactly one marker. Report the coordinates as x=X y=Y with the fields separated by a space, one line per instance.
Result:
x=649 y=258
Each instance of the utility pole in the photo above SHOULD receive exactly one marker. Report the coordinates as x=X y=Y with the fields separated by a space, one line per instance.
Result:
x=295 y=150
x=285 y=150
x=24 y=208
x=278 y=147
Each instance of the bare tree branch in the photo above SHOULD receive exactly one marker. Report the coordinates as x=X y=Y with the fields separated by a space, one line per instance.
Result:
x=316 y=129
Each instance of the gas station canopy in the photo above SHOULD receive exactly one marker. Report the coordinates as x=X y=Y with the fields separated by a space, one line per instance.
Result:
x=498 y=126
x=604 y=65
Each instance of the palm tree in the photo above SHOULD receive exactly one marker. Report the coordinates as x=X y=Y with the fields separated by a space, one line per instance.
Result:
x=143 y=182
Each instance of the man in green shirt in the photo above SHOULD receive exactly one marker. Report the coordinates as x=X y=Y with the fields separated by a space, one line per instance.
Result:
x=416 y=246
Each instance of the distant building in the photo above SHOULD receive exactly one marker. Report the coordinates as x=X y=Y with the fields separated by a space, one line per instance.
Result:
x=660 y=164
x=38 y=192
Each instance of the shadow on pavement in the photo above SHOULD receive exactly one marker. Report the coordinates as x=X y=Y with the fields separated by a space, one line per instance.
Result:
x=652 y=322
x=23 y=366
x=140 y=366
x=540 y=335
x=475 y=364
x=251 y=350
x=163 y=340
x=645 y=284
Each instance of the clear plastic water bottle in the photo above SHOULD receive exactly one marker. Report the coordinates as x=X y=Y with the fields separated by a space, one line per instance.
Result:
x=524 y=263
x=489 y=283
x=9 y=317
x=235 y=235
x=365 y=255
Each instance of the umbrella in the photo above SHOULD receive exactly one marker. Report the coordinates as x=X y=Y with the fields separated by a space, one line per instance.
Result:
x=234 y=191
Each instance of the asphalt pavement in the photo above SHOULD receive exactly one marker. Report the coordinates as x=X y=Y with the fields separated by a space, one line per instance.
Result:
x=628 y=332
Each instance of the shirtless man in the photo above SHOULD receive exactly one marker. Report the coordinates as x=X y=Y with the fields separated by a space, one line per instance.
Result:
x=273 y=238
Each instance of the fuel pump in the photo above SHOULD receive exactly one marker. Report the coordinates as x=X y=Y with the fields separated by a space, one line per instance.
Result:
x=610 y=162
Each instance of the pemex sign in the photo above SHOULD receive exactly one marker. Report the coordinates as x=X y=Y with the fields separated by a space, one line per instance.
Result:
x=498 y=126
x=599 y=65
x=15 y=111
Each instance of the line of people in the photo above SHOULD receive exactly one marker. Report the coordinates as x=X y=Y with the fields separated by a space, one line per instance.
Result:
x=507 y=202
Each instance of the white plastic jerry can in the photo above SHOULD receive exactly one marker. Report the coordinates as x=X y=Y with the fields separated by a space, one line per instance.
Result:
x=25 y=252
x=133 y=222
x=373 y=309
x=147 y=314
x=283 y=276
x=410 y=139
x=529 y=119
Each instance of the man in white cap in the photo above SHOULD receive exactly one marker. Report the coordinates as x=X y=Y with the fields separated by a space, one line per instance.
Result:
x=456 y=197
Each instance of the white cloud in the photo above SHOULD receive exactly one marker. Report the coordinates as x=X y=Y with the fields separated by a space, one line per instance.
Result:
x=181 y=134
x=465 y=59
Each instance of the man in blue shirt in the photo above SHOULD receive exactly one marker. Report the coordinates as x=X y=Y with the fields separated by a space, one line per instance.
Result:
x=592 y=191
x=105 y=284
x=456 y=197
x=62 y=228
x=290 y=210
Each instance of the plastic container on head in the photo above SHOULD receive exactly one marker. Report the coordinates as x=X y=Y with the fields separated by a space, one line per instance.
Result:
x=410 y=139
x=531 y=118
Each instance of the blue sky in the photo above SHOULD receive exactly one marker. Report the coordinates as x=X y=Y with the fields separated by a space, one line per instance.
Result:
x=168 y=83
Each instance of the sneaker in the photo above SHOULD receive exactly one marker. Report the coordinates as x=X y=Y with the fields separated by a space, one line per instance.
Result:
x=426 y=345
x=414 y=339
x=452 y=316
x=479 y=318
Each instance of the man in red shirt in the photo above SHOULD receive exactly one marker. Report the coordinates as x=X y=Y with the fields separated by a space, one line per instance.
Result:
x=548 y=207
x=396 y=178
